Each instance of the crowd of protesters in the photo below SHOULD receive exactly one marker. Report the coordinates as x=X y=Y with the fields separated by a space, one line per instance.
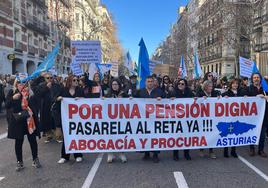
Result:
x=34 y=108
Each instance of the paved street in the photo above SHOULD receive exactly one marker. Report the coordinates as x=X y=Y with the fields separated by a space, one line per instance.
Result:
x=200 y=172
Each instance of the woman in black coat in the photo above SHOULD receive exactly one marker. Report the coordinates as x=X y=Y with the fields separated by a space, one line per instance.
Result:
x=165 y=86
x=71 y=90
x=208 y=91
x=233 y=91
x=19 y=101
x=182 y=91
x=116 y=91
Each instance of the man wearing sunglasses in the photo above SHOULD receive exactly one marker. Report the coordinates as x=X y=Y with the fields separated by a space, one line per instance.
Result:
x=46 y=91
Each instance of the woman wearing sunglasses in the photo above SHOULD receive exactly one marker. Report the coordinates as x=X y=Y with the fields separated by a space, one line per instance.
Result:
x=71 y=90
x=21 y=121
x=182 y=91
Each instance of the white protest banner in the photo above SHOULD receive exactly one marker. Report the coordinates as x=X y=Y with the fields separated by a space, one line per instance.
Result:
x=114 y=69
x=127 y=125
x=86 y=52
x=246 y=67
x=76 y=69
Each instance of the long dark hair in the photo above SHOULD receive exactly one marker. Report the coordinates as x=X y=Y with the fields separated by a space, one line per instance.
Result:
x=186 y=89
x=70 y=80
x=119 y=85
x=206 y=76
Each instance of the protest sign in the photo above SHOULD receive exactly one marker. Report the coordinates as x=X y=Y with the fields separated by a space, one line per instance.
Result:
x=84 y=52
x=124 y=125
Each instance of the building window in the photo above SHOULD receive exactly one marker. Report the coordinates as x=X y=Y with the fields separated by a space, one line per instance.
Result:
x=17 y=36
x=30 y=39
x=29 y=9
x=219 y=68
x=40 y=43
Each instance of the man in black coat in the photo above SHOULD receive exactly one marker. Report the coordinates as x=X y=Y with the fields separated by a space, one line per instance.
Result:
x=150 y=92
x=42 y=88
x=255 y=89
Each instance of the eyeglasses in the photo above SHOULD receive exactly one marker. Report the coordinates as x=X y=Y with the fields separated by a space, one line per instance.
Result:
x=115 y=84
x=75 y=80
x=210 y=75
x=49 y=78
x=182 y=84
x=166 y=79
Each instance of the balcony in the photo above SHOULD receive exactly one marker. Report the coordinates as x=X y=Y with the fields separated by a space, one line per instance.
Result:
x=79 y=4
x=33 y=23
x=258 y=29
x=31 y=50
x=66 y=3
x=18 y=46
x=257 y=48
x=41 y=3
x=265 y=18
x=42 y=53
x=65 y=22
x=16 y=13
x=264 y=46
x=257 y=22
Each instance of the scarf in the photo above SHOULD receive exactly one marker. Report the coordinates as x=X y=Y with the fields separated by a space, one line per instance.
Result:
x=24 y=90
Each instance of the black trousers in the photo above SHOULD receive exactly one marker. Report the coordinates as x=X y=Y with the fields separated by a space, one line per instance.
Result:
x=67 y=156
x=262 y=139
x=1 y=103
x=33 y=145
x=154 y=153
x=186 y=152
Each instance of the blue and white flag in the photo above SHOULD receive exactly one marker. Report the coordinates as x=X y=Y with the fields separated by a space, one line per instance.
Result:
x=129 y=63
x=182 y=69
x=103 y=68
x=46 y=65
x=197 y=68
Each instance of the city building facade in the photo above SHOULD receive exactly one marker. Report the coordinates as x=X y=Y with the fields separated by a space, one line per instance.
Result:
x=29 y=30
x=217 y=30
x=24 y=33
x=260 y=36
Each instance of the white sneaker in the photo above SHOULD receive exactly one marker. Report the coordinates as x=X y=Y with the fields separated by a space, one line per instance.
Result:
x=79 y=159
x=59 y=141
x=61 y=161
x=123 y=158
x=110 y=158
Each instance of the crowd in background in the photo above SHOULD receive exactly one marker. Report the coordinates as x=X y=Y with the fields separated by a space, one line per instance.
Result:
x=41 y=99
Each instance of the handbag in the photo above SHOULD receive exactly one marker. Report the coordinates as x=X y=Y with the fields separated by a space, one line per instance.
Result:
x=21 y=116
